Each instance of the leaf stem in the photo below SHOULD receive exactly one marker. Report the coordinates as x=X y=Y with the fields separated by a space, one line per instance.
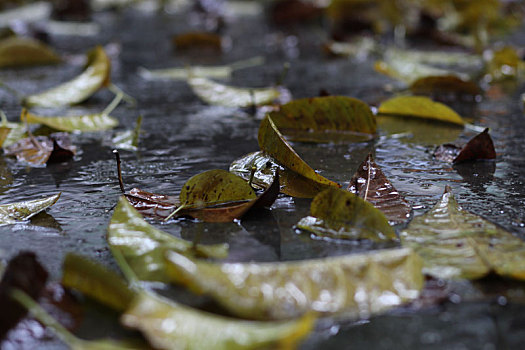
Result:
x=113 y=104
x=119 y=171
x=136 y=132
x=179 y=208
x=116 y=90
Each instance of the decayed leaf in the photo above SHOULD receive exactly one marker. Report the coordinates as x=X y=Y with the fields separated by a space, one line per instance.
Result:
x=18 y=51
x=88 y=122
x=372 y=185
x=420 y=107
x=479 y=147
x=198 y=40
x=325 y=119
x=23 y=272
x=20 y=211
x=457 y=244
x=42 y=150
x=215 y=93
x=272 y=142
x=168 y=325
x=95 y=76
x=143 y=246
x=340 y=214
x=357 y=285
x=444 y=86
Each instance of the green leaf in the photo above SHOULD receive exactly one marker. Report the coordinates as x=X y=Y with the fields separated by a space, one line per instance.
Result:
x=457 y=244
x=419 y=107
x=273 y=143
x=88 y=122
x=143 y=246
x=95 y=76
x=341 y=214
x=223 y=95
x=325 y=119
x=22 y=51
x=15 y=212
x=357 y=285
x=129 y=139
x=168 y=325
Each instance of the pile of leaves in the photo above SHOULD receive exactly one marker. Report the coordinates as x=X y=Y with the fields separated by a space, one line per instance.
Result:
x=276 y=304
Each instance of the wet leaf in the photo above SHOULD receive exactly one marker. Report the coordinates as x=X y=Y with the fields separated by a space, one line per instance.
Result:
x=41 y=150
x=143 y=246
x=152 y=204
x=17 y=131
x=372 y=185
x=215 y=93
x=168 y=325
x=20 y=211
x=444 y=87
x=88 y=122
x=340 y=214
x=94 y=77
x=420 y=107
x=457 y=244
x=357 y=285
x=22 y=51
x=325 y=119
x=479 y=147
x=504 y=64
x=198 y=40
x=129 y=139
x=360 y=48
x=272 y=142
x=23 y=272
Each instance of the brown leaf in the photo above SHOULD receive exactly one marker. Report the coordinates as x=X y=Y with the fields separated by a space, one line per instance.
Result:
x=287 y=12
x=198 y=41
x=445 y=88
x=478 y=148
x=371 y=184
x=42 y=150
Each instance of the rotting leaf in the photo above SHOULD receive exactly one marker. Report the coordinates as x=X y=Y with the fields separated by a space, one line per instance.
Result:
x=143 y=246
x=457 y=244
x=480 y=147
x=95 y=76
x=350 y=286
x=419 y=107
x=23 y=272
x=41 y=150
x=215 y=93
x=198 y=40
x=341 y=214
x=195 y=329
x=23 y=51
x=325 y=119
x=446 y=87
x=372 y=185
x=273 y=143
x=20 y=211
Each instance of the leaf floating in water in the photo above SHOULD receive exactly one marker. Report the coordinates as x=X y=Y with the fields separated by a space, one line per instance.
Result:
x=168 y=325
x=446 y=86
x=357 y=285
x=480 y=147
x=95 y=76
x=129 y=139
x=372 y=185
x=41 y=150
x=419 y=107
x=340 y=214
x=457 y=244
x=15 y=212
x=325 y=119
x=19 y=51
x=85 y=123
x=273 y=143
x=198 y=40
x=143 y=246
x=215 y=93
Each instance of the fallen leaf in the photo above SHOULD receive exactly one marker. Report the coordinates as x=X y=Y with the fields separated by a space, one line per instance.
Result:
x=152 y=204
x=273 y=143
x=341 y=214
x=359 y=48
x=215 y=93
x=419 y=107
x=143 y=246
x=457 y=244
x=480 y=147
x=372 y=185
x=447 y=87
x=351 y=286
x=294 y=11
x=20 y=211
x=129 y=139
x=95 y=76
x=88 y=122
x=41 y=150
x=18 y=51
x=198 y=40
x=4 y=131
x=504 y=64
x=325 y=119
x=23 y=272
